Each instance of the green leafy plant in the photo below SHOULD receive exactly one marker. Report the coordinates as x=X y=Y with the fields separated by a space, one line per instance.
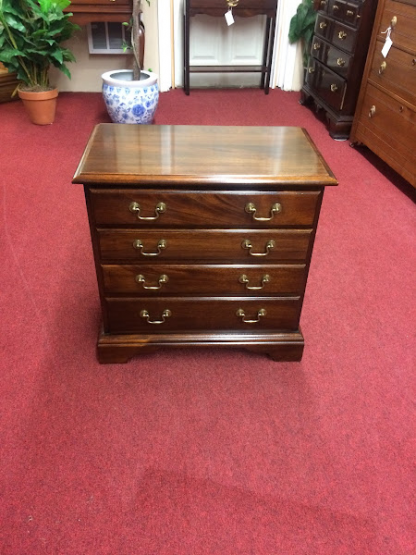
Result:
x=136 y=44
x=302 y=26
x=31 y=34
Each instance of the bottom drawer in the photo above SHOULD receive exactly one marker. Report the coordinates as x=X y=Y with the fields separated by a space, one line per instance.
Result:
x=143 y=315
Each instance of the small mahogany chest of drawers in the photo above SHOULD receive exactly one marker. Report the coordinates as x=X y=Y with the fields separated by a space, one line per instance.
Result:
x=202 y=236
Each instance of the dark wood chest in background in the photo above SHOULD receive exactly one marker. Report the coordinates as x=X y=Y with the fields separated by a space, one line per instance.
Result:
x=385 y=119
x=87 y=11
x=202 y=235
x=338 y=53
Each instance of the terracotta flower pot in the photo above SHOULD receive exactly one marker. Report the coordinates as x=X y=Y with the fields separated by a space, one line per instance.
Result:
x=40 y=106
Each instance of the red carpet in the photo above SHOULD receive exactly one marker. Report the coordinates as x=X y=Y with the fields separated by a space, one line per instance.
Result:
x=205 y=452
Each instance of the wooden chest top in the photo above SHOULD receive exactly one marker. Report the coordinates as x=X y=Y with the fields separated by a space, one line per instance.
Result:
x=202 y=156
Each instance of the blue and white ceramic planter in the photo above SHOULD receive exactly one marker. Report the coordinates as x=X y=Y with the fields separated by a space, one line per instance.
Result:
x=130 y=101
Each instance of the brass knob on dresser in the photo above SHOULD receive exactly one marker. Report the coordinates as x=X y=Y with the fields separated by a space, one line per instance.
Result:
x=382 y=68
x=232 y=3
x=316 y=46
x=250 y=208
x=138 y=245
x=334 y=87
x=162 y=279
x=323 y=25
x=311 y=69
x=372 y=111
x=335 y=8
x=246 y=244
x=350 y=12
x=260 y=313
x=245 y=281
x=340 y=62
x=342 y=35
x=159 y=209
x=393 y=21
x=165 y=314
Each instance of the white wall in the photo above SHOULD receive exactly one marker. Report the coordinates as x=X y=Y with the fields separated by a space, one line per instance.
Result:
x=86 y=71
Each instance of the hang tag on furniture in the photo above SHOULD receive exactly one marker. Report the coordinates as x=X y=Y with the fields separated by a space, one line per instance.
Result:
x=229 y=18
x=387 y=46
x=388 y=42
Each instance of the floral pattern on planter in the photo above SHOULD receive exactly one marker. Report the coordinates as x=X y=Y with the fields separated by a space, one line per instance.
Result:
x=131 y=105
x=128 y=100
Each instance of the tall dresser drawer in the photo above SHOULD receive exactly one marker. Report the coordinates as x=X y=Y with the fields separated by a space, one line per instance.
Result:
x=148 y=279
x=130 y=315
x=403 y=32
x=142 y=208
x=397 y=72
x=392 y=121
x=245 y=245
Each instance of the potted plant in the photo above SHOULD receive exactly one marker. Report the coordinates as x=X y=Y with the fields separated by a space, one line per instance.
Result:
x=131 y=95
x=302 y=26
x=31 y=37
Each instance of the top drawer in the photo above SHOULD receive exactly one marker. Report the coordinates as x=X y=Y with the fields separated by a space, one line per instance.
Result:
x=402 y=19
x=149 y=208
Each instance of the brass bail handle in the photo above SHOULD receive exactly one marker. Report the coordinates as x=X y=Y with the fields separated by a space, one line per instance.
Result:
x=159 y=209
x=165 y=314
x=232 y=3
x=245 y=281
x=250 y=208
x=162 y=279
x=260 y=313
x=246 y=244
x=138 y=245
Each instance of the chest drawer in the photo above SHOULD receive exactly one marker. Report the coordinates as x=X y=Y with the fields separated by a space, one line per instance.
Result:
x=403 y=32
x=391 y=127
x=245 y=245
x=347 y=12
x=130 y=315
x=328 y=85
x=196 y=209
x=147 y=279
x=344 y=37
x=397 y=72
x=336 y=60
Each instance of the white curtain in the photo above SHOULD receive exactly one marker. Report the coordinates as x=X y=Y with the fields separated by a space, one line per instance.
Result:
x=287 y=67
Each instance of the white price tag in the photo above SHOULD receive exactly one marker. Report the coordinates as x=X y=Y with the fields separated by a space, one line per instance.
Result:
x=386 y=47
x=388 y=42
x=229 y=17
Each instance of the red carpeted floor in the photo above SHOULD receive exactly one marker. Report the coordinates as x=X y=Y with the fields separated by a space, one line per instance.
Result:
x=204 y=452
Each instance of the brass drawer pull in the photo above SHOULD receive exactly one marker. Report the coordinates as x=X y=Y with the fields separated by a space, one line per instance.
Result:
x=372 y=111
x=335 y=8
x=316 y=46
x=162 y=244
x=241 y=314
x=311 y=70
x=245 y=281
x=342 y=35
x=393 y=22
x=251 y=209
x=323 y=25
x=162 y=279
x=232 y=3
x=350 y=12
x=382 y=68
x=246 y=244
x=334 y=87
x=340 y=62
x=165 y=314
x=160 y=209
